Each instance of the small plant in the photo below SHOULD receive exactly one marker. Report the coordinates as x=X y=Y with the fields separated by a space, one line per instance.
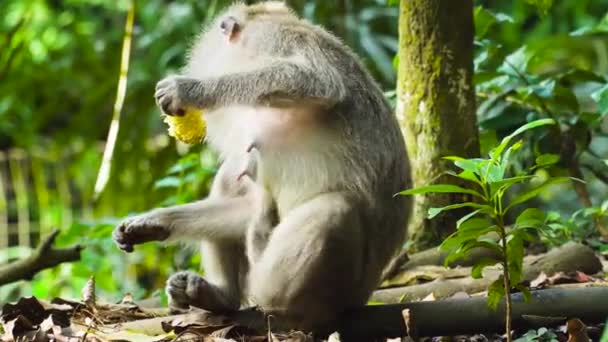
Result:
x=488 y=184
x=542 y=334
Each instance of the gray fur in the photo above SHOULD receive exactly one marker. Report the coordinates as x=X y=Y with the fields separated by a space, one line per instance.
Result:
x=309 y=235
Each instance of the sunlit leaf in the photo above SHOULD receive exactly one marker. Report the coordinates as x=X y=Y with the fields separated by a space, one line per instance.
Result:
x=432 y=212
x=473 y=165
x=440 y=188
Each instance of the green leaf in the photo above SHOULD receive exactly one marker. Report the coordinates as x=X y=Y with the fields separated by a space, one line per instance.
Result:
x=495 y=153
x=515 y=255
x=473 y=164
x=581 y=76
x=474 y=224
x=495 y=293
x=468 y=216
x=493 y=172
x=516 y=64
x=547 y=159
x=468 y=175
x=467 y=233
x=432 y=212
x=536 y=191
x=476 y=272
x=600 y=96
x=525 y=292
x=168 y=182
x=440 y=188
x=542 y=6
x=531 y=217
x=508 y=182
x=505 y=159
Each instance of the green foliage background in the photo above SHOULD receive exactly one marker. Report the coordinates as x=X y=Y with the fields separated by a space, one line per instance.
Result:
x=59 y=64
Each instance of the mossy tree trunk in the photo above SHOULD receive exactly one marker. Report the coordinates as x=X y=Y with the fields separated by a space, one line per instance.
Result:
x=436 y=102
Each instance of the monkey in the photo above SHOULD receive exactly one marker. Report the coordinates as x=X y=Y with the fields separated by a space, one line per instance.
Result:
x=308 y=233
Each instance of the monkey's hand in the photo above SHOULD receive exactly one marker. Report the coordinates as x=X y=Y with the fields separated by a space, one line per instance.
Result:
x=139 y=229
x=171 y=94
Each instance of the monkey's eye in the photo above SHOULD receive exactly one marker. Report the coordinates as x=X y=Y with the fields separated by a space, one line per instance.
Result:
x=229 y=26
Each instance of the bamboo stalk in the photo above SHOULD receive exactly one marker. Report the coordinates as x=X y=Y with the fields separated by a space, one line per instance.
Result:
x=4 y=233
x=21 y=198
x=108 y=153
x=65 y=197
x=42 y=193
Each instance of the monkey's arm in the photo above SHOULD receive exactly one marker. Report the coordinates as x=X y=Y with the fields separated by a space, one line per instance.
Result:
x=209 y=219
x=282 y=78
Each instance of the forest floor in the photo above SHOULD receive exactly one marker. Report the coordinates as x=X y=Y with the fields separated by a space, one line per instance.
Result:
x=569 y=290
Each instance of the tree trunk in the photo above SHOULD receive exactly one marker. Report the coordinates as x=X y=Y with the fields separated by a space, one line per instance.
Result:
x=435 y=102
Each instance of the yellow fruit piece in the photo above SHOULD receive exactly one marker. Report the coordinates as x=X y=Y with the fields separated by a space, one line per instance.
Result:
x=190 y=128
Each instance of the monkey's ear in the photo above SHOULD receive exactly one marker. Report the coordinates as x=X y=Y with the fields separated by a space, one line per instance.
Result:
x=230 y=27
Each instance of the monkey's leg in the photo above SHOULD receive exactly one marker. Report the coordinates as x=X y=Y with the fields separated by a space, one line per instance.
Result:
x=264 y=219
x=217 y=218
x=313 y=266
x=220 y=290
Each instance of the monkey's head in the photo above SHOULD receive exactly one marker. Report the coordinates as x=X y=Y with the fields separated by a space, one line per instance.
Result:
x=232 y=21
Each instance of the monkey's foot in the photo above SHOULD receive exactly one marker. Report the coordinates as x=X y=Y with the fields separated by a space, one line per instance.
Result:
x=187 y=289
x=139 y=229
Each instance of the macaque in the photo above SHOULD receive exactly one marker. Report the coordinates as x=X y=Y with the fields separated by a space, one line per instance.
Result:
x=301 y=218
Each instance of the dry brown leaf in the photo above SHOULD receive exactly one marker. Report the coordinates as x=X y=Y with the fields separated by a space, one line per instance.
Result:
x=577 y=331
x=233 y=331
x=540 y=281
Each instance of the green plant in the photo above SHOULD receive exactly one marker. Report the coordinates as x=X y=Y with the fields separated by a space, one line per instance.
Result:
x=488 y=184
x=580 y=226
x=542 y=334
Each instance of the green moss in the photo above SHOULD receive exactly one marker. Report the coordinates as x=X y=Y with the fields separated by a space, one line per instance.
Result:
x=432 y=52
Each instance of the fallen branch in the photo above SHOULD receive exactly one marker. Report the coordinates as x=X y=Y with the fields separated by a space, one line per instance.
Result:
x=567 y=258
x=432 y=256
x=43 y=257
x=438 y=318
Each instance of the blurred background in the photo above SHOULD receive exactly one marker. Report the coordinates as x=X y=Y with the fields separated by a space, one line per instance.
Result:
x=59 y=74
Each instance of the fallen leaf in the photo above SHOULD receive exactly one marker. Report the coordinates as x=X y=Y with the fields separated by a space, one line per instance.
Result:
x=232 y=331
x=540 y=281
x=577 y=331
x=28 y=307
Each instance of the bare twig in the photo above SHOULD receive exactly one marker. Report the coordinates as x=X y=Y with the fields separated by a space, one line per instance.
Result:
x=43 y=257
